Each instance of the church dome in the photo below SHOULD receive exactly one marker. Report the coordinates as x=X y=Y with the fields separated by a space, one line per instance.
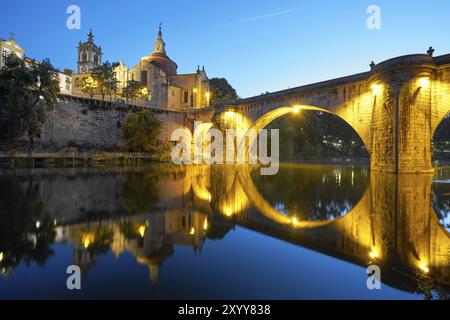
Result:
x=163 y=62
x=159 y=57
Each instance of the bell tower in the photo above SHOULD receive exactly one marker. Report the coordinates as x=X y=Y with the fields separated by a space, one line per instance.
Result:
x=160 y=46
x=89 y=55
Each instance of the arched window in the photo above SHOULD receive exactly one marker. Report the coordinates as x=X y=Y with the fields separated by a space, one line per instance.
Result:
x=77 y=82
x=96 y=59
x=144 y=77
x=84 y=59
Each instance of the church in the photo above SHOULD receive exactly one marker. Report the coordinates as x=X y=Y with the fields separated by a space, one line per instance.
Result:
x=167 y=89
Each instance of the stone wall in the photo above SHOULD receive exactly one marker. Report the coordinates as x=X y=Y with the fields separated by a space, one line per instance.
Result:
x=82 y=126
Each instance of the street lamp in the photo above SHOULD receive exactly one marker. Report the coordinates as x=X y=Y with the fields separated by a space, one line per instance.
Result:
x=296 y=109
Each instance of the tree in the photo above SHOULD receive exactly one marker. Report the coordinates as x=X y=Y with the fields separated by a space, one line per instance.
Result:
x=135 y=90
x=27 y=231
x=144 y=94
x=25 y=92
x=141 y=131
x=221 y=90
x=105 y=78
x=314 y=135
x=90 y=86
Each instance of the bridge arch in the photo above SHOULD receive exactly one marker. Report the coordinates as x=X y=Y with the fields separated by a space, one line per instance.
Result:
x=277 y=113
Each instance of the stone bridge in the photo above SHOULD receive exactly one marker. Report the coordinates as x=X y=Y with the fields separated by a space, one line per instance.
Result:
x=395 y=108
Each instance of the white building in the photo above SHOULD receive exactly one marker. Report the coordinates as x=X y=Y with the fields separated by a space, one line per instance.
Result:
x=8 y=47
x=65 y=83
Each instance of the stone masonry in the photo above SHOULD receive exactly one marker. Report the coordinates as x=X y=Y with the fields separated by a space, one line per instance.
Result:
x=77 y=124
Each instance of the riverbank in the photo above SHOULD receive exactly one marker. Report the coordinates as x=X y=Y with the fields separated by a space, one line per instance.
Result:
x=88 y=158
x=340 y=161
x=22 y=159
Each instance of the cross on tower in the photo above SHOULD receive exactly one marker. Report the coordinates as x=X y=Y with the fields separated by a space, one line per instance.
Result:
x=160 y=29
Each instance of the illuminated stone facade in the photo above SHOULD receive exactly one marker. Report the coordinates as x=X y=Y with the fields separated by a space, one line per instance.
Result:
x=167 y=89
x=89 y=55
x=8 y=47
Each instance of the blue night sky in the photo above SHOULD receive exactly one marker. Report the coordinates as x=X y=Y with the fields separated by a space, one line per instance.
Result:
x=257 y=45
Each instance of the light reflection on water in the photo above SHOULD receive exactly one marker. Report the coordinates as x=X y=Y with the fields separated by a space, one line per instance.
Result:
x=153 y=232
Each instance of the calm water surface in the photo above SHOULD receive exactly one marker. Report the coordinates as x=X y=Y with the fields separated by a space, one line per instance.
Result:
x=216 y=232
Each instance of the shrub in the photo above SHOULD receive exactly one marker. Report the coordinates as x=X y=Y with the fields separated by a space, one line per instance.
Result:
x=141 y=131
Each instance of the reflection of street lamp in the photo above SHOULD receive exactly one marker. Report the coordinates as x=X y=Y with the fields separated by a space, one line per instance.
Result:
x=141 y=231
x=87 y=240
x=423 y=266
x=374 y=253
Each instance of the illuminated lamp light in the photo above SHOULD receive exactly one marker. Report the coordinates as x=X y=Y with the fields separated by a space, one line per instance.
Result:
x=424 y=82
x=376 y=89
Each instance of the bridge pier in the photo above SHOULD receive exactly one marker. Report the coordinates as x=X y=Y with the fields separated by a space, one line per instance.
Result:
x=401 y=133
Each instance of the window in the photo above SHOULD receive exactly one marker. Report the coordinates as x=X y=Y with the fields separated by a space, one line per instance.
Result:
x=77 y=82
x=84 y=59
x=144 y=77
x=5 y=54
x=186 y=97
x=96 y=59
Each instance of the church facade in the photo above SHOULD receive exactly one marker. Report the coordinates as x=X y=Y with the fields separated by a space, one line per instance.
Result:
x=167 y=89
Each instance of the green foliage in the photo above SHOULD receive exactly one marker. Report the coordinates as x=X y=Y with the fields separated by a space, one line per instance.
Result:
x=90 y=86
x=441 y=139
x=135 y=90
x=140 y=192
x=105 y=79
x=221 y=90
x=25 y=92
x=315 y=135
x=26 y=231
x=141 y=131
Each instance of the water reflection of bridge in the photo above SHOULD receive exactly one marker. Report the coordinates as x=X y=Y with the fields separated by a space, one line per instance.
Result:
x=392 y=225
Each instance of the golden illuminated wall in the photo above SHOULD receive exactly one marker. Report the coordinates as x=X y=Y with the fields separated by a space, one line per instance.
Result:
x=414 y=124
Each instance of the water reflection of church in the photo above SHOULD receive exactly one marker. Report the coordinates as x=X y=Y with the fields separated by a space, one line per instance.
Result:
x=150 y=238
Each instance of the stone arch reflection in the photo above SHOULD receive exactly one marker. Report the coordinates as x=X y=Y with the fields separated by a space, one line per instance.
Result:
x=267 y=209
